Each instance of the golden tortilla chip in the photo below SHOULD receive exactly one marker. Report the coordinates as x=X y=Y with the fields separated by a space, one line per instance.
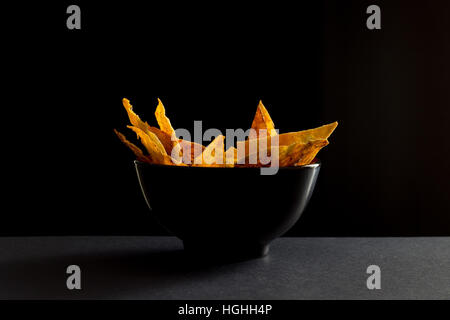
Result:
x=320 y=133
x=300 y=153
x=166 y=126
x=209 y=157
x=154 y=147
x=164 y=138
x=190 y=150
x=287 y=139
x=136 y=150
x=253 y=160
x=311 y=151
x=262 y=120
x=163 y=120
x=295 y=154
x=163 y=147
x=251 y=147
x=230 y=158
x=134 y=118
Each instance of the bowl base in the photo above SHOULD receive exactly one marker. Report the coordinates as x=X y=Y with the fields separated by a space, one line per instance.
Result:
x=225 y=251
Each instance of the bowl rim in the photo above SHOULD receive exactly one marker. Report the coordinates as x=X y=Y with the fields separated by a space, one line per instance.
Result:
x=314 y=165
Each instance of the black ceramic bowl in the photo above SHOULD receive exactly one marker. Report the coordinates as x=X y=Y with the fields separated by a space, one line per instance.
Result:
x=226 y=211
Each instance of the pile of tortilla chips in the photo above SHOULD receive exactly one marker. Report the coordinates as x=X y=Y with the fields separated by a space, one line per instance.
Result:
x=163 y=146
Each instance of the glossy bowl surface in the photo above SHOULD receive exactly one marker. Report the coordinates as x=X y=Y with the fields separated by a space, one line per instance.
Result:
x=226 y=211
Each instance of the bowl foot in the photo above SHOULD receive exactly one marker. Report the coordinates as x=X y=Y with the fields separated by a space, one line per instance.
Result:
x=225 y=251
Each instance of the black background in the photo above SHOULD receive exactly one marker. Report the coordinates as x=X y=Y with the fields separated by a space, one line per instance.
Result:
x=385 y=171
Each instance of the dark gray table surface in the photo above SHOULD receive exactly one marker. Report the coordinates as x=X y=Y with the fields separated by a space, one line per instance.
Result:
x=157 y=268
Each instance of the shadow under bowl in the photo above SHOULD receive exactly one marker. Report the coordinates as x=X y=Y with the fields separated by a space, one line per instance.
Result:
x=226 y=212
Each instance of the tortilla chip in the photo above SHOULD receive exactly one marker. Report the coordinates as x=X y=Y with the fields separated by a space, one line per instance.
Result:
x=208 y=156
x=287 y=139
x=166 y=127
x=300 y=153
x=164 y=138
x=320 y=133
x=311 y=151
x=262 y=120
x=136 y=150
x=230 y=157
x=134 y=118
x=163 y=120
x=190 y=150
x=163 y=147
x=154 y=147
x=252 y=160
x=253 y=146
x=293 y=155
